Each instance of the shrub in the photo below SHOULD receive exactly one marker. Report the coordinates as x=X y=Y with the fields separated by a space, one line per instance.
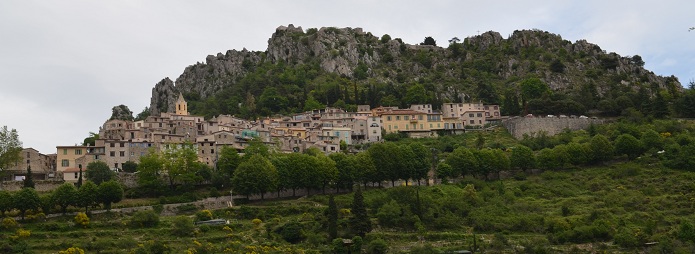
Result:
x=292 y=232
x=82 y=220
x=144 y=219
x=377 y=246
x=9 y=223
x=203 y=215
x=256 y=222
x=183 y=226
x=72 y=250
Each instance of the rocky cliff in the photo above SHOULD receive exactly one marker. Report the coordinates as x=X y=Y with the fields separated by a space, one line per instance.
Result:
x=367 y=69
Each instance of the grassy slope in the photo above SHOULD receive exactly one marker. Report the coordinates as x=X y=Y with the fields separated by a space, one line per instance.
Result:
x=646 y=200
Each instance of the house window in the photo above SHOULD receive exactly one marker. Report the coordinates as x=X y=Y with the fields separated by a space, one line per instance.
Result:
x=115 y=165
x=78 y=151
x=406 y=118
x=132 y=153
x=112 y=153
x=122 y=153
x=422 y=127
x=65 y=151
x=472 y=121
x=96 y=157
x=471 y=115
x=398 y=118
x=112 y=145
x=480 y=114
x=212 y=150
x=65 y=163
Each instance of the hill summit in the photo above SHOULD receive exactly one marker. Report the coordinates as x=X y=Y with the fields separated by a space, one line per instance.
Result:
x=344 y=67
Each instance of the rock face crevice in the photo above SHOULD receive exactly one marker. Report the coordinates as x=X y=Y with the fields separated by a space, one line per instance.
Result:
x=454 y=69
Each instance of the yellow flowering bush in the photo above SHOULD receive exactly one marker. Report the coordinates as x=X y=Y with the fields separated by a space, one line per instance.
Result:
x=9 y=223
x=82 y=220
x=72 y=250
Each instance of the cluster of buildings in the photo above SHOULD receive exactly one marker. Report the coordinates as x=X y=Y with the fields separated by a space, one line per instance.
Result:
x=121 y=141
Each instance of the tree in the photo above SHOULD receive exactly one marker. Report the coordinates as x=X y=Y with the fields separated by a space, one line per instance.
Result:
x=183 y=226
x=359 y=221
x=601 y=148
x=149 y=170
x=143 y=115
x=523 y=158
x=652 y=140
x=10 y=147
x=420 y=161
x=256 y=146
x=47 y=203
x=579 y=154
x=454 y=40
x=79 y=179
x=326 y=171
x=29 y=179
x=228 y=162
x=429 y=41
x=416 y=94
x=26 y=199
x=533 y=88
x=365 y=171
x=628 y=145
x=445 y=171
x=109 y=192
x=462 y=161
x=346 y=170
x=257 y=175
x=293 y=170
x=385 y=38
x=64 y=196
x=98 y=172
x=384 y=157
x=130 y=166
x=87 y=196
x=6 y=202
x=332 y=214
x=91 y=140
x=181 y=164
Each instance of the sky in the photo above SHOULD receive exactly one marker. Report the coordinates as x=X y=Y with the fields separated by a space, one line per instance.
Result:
x=65 y=64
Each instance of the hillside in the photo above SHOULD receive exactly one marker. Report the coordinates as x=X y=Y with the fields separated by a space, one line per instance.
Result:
x=347 y=66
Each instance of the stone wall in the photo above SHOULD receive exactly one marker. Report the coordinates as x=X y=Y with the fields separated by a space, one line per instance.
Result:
x=518 y=126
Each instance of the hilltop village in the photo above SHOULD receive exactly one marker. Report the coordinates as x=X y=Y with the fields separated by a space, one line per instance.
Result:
x=329 y=130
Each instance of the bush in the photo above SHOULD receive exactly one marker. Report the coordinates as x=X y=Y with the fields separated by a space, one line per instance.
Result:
x=144 y=219
x=183 y=226
x=377 y=246
x=81 y=219
x=9 y=223
x=72 y=250
x=203 y=215
x=292 y=232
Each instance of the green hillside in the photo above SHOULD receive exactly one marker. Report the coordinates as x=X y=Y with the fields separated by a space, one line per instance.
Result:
x=345 y=67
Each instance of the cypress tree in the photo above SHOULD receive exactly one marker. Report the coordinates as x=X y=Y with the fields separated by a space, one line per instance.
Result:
x=79 y=180
x=29 y=180
x=360 y=222
x=332 y=214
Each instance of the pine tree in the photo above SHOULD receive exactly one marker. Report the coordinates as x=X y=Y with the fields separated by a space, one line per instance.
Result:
x=29 y=180
x=332 y=214
x=360 y=222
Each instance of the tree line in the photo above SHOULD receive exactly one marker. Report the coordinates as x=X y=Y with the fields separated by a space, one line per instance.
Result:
x=87 y=195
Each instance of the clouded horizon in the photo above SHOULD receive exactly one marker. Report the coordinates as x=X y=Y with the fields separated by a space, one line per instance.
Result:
x=65 y=64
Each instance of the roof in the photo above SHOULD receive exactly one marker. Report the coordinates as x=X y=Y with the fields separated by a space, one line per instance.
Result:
x=403 y=112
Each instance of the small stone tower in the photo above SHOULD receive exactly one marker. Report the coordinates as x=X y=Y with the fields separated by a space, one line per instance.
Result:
x=181 y=106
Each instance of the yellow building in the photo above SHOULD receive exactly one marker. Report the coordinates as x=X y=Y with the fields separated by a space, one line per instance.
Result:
x=404 y=120
x=67 y=157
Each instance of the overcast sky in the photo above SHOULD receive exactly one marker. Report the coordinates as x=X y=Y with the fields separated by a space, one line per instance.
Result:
x=65 y=64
